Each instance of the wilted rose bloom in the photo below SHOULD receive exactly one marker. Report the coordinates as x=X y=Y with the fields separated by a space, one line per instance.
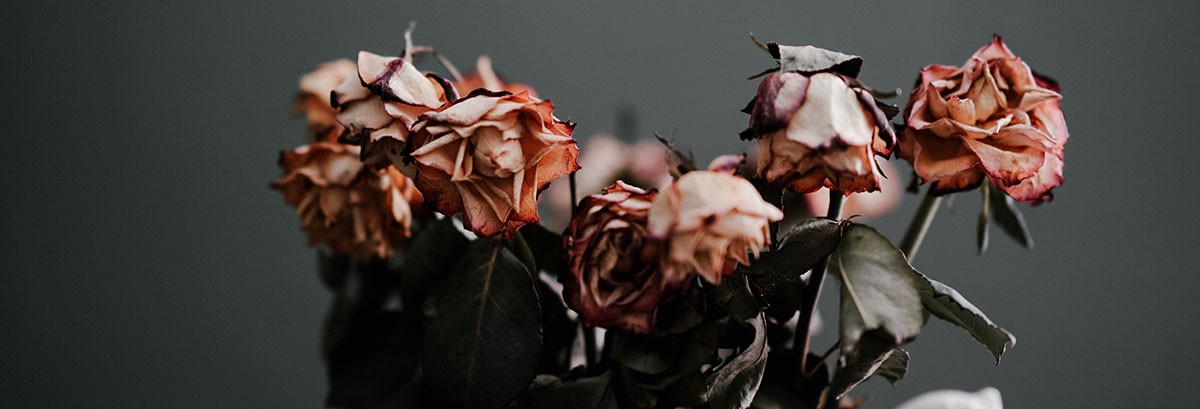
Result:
x=488 y=155
x=710 y=221
x=343 y=204
x=381 y=104
x=484 y=77
x=992 y=117
x=314 y=101
x=613 y=277
x=818 y=131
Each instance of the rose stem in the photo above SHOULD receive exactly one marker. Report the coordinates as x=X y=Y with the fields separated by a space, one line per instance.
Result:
x=589 y=333
x=920 y=225
x=812 y=290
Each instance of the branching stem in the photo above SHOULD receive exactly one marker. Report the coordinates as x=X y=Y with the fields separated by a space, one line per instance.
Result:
x=812 y=289
x=920 y=225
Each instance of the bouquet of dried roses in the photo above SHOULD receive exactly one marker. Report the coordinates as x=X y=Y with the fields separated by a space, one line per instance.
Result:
x=697 y=290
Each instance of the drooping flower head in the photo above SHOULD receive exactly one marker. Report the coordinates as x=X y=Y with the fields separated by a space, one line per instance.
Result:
x=379 y=106
x=314 y=103
x=488 y=155
x=345 y=205
x=614 y=279
x=709 y=221
x=992 y=117
x=816 y=126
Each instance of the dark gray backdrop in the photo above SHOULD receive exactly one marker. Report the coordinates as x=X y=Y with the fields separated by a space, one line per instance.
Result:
x=145 y=264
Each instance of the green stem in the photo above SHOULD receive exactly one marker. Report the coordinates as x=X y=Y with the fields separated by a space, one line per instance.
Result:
x=920 y=225
x=812 y=289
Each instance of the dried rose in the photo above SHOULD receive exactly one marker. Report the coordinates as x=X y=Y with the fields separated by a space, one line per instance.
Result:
x=345 y=205
x=488 y=155
x=314 y=99
x=484 y=77
x=710 y=221
x=381 y=103
x=818 y=131
x=992 y=117
x=613 y=278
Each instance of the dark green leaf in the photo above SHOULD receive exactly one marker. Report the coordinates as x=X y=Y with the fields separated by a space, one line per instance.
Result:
x=734 y=296
x=895 y=366
x=1005 y=213
x=808 y=59
x=482 y=348
x=643 y=353
x=875 y=349
x=372 y=357
x=946 y=303
x=880 y=291
x=735 y=382
x=546 y=247
x=683 y=313
x=801 y=248
x=558 y=331
x=333 y=269
x=550 y=392
x=433 y=253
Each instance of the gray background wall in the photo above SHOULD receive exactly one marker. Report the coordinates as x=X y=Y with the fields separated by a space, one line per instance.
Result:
x=145 y=264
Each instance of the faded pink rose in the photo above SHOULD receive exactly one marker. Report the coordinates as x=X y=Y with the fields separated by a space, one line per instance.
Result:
x=381 y=103
x=992 y=117
x=818 y=131
x=343 y=204
x=613 y=276
x=488 y=155
x=710 y=221
x=313 y=101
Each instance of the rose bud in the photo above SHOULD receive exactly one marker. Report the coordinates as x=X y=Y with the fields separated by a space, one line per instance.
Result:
x=381 y=103
x=709 y=222
x=488 y=155
x=484 y=77
x=345 y=205
x=992 y=117
x=818 y=131
x=314 y=99
x=613 y=278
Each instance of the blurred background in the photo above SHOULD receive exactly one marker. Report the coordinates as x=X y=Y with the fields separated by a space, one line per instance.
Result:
x=144 y=263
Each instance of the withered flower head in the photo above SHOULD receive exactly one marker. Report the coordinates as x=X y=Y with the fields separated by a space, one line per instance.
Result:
x=613 y=276
x=381 y=103
x=709 y=222
x=488 y=155
x=345 y=205
x=818 y=131
x=992 y=117
x=314 y=99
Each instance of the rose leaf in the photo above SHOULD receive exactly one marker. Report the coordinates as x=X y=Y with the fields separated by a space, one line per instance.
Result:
x=734 y=383
x=546 y=247
x=876 y=354
x=880 y=291
x=946 y=303
x=801 y=248
x=370 y=353
x=550 y=392
x=1005 y=213
x=431 y=255
x=488 y=323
